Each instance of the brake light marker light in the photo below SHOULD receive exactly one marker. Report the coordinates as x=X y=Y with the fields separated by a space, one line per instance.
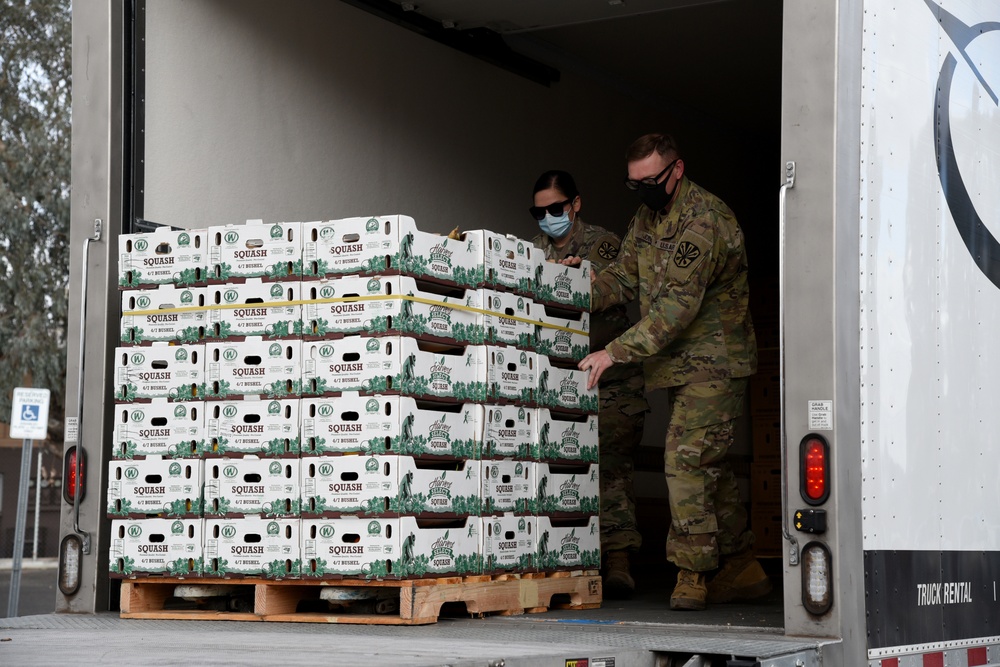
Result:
x=814 y=477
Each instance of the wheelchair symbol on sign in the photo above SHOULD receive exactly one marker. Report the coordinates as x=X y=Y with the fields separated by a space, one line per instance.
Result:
x=29 y=413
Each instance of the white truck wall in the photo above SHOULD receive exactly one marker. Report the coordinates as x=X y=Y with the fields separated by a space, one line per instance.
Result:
x=930 y=312
x=318 y=110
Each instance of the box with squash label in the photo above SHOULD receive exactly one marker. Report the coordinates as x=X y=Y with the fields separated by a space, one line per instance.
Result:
x=155 y=486
x=163 y=257
x=173 y=372
x=254 y=308
x=159 y=428
x=270 y=251
x=253 y=367
x=251 y=486
x=170 y=547
x=252 y=547
x=254 y=426
x=165 y=314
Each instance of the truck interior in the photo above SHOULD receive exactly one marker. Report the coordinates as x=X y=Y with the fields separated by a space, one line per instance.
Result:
x=447 y=111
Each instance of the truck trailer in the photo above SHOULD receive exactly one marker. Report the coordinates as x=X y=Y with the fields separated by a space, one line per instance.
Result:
x=858 y=142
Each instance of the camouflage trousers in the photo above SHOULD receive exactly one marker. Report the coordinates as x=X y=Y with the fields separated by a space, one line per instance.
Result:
x=706 y=517
x=620 y=422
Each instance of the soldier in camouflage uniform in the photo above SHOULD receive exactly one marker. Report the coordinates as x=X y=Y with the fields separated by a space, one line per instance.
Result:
x=684 y=258
x=622 y=392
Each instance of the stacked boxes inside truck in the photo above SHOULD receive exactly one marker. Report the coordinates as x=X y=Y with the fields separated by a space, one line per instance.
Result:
x=370 y=401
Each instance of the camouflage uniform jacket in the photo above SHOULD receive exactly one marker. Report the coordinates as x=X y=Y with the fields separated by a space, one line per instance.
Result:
x=689 y=269
x=601 y=247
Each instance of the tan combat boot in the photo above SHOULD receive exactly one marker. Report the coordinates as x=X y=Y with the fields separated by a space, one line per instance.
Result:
x=741 y=578
x=618 y=581
x=690 y=592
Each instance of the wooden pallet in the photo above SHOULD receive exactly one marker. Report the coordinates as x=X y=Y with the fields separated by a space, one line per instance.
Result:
x=420 y=600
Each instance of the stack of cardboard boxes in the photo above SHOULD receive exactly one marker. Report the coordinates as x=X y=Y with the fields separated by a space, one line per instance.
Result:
x=351 y=398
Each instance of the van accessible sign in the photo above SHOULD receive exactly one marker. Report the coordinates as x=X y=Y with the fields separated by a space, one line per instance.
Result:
x=29 y=414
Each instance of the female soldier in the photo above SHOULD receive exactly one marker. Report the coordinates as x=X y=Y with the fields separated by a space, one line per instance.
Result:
x=623 y=404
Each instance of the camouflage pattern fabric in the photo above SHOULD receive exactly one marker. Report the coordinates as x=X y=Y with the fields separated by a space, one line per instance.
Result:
x=622 y=393
x=689 y=271
x=706 y=517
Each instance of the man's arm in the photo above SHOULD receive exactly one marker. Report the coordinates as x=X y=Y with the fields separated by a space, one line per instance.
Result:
x=689 y=271
x=618 y=282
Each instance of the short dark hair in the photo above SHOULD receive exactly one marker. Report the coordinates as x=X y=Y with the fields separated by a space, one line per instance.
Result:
x=560 y=180
x=644 y=146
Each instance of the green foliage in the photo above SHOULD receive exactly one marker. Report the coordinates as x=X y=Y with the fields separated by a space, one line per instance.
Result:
x=35 y=89
x=180 y=567
x=123 y=509
x=322 y=267
x=221 y=567
x=379 y=570
x=186 y=277
x=221 y=446
x=378 y=324
x=133 y=335
x=525 y=285
x=131 y=448
x=316 y=387
x=223 y=271
x=180 y=507
x=588 y=403
x=186 y=335
x=525 y=341
x=590 y=505
x=578 y=352
x=128 y=565
x=374 y=265
x=314 y=505
x=276 y=447
x=277 y=569
x=466 y=505
x=469 y=392
x=589 y=453
x=581 y=300
x=218 y=507
x=469 y=563
x=591 y=558
x=280 y=330
x=125 y=392
x=377 y=445
x=187 y=392
x=136 y=279
x=320 y=568
x=225 y=330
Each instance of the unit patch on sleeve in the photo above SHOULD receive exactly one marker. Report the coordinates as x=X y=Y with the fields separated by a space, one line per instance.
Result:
x=607 y=250
x=686 y=254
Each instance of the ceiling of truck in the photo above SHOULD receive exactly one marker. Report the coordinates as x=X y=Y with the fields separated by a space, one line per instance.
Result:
x=719 y=58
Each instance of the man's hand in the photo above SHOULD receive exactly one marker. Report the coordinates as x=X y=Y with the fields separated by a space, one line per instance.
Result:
x=596 y=363
x=571 y=261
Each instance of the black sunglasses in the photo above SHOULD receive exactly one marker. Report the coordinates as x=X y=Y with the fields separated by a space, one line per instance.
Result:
x=648 y=182
x=538 y=212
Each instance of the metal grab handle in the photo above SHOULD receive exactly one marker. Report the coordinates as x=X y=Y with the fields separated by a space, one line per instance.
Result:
x=85 y=547
x=793 y=551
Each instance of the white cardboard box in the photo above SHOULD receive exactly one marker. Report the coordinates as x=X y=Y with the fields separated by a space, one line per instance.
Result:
x=271 y=251
x=154 y=485
x=568 y=544
x=174 y=372
x=389 y=548
x=510 y=432
x=394 y=365
x=508 y=486
x=265 y=487
x=156 y=546
x=506 y=321
x=568 y=490
x=252 y=547
x=159 y=428
x=558 y=284
x=508 y=543
x=354 y=424
x=143 y=323
x=564 y=388
x=162 y=257
x=375 y=305
x=509 y=261
x=511 y=375
x=254 y=308
x=388 y=486
x=253 y=367
x=562 y=335
x=567 y=438
x=391 y=244
x=260 y=427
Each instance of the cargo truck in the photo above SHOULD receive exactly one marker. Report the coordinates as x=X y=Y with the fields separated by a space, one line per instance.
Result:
x=857 y=140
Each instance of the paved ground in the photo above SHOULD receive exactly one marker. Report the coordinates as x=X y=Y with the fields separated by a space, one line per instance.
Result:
x=38 y=588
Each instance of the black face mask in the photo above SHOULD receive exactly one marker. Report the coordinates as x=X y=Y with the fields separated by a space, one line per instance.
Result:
x=656 y=197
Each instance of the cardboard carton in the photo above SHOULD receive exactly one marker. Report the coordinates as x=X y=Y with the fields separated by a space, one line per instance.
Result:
x=568 y=490
x=253 y=367
x=389 y=486
x=568 y=438
x=510 y=432
x=353 y=424
x=174 y=372
x=170 y=547
x=567 y=544
x=394 y=365
x=392 y=244
x=252 y=426
x=252 y=547
x=509 y=486
x=252 y=486
x=163 y=257
x=155 y=486
x=509 y=262
x=560 y=285
x=159 y=428
x=254 y=308
x=389 y=548
x=166 y=314
x=561 y=334
x=563 y=388
x=506 y=320
x=510 y=375
x=272 y=252
x=508 y=544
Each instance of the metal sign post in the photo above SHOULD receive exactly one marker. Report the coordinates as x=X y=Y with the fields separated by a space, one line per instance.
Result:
x=29 y=419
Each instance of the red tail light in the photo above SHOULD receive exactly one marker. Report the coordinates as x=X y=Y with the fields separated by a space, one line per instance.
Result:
x=69 y=476
x=814 y=455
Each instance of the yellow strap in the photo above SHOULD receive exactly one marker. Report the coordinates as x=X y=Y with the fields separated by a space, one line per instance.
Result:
x=349 y=299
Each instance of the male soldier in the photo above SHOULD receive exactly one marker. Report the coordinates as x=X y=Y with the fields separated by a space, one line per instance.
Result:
x=622 y=395
x=684 y=257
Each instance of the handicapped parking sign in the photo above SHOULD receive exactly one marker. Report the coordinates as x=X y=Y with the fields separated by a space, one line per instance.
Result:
x=29 y=414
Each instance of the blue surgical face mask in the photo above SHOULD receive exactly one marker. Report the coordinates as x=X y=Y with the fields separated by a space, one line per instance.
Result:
x=556 y=227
